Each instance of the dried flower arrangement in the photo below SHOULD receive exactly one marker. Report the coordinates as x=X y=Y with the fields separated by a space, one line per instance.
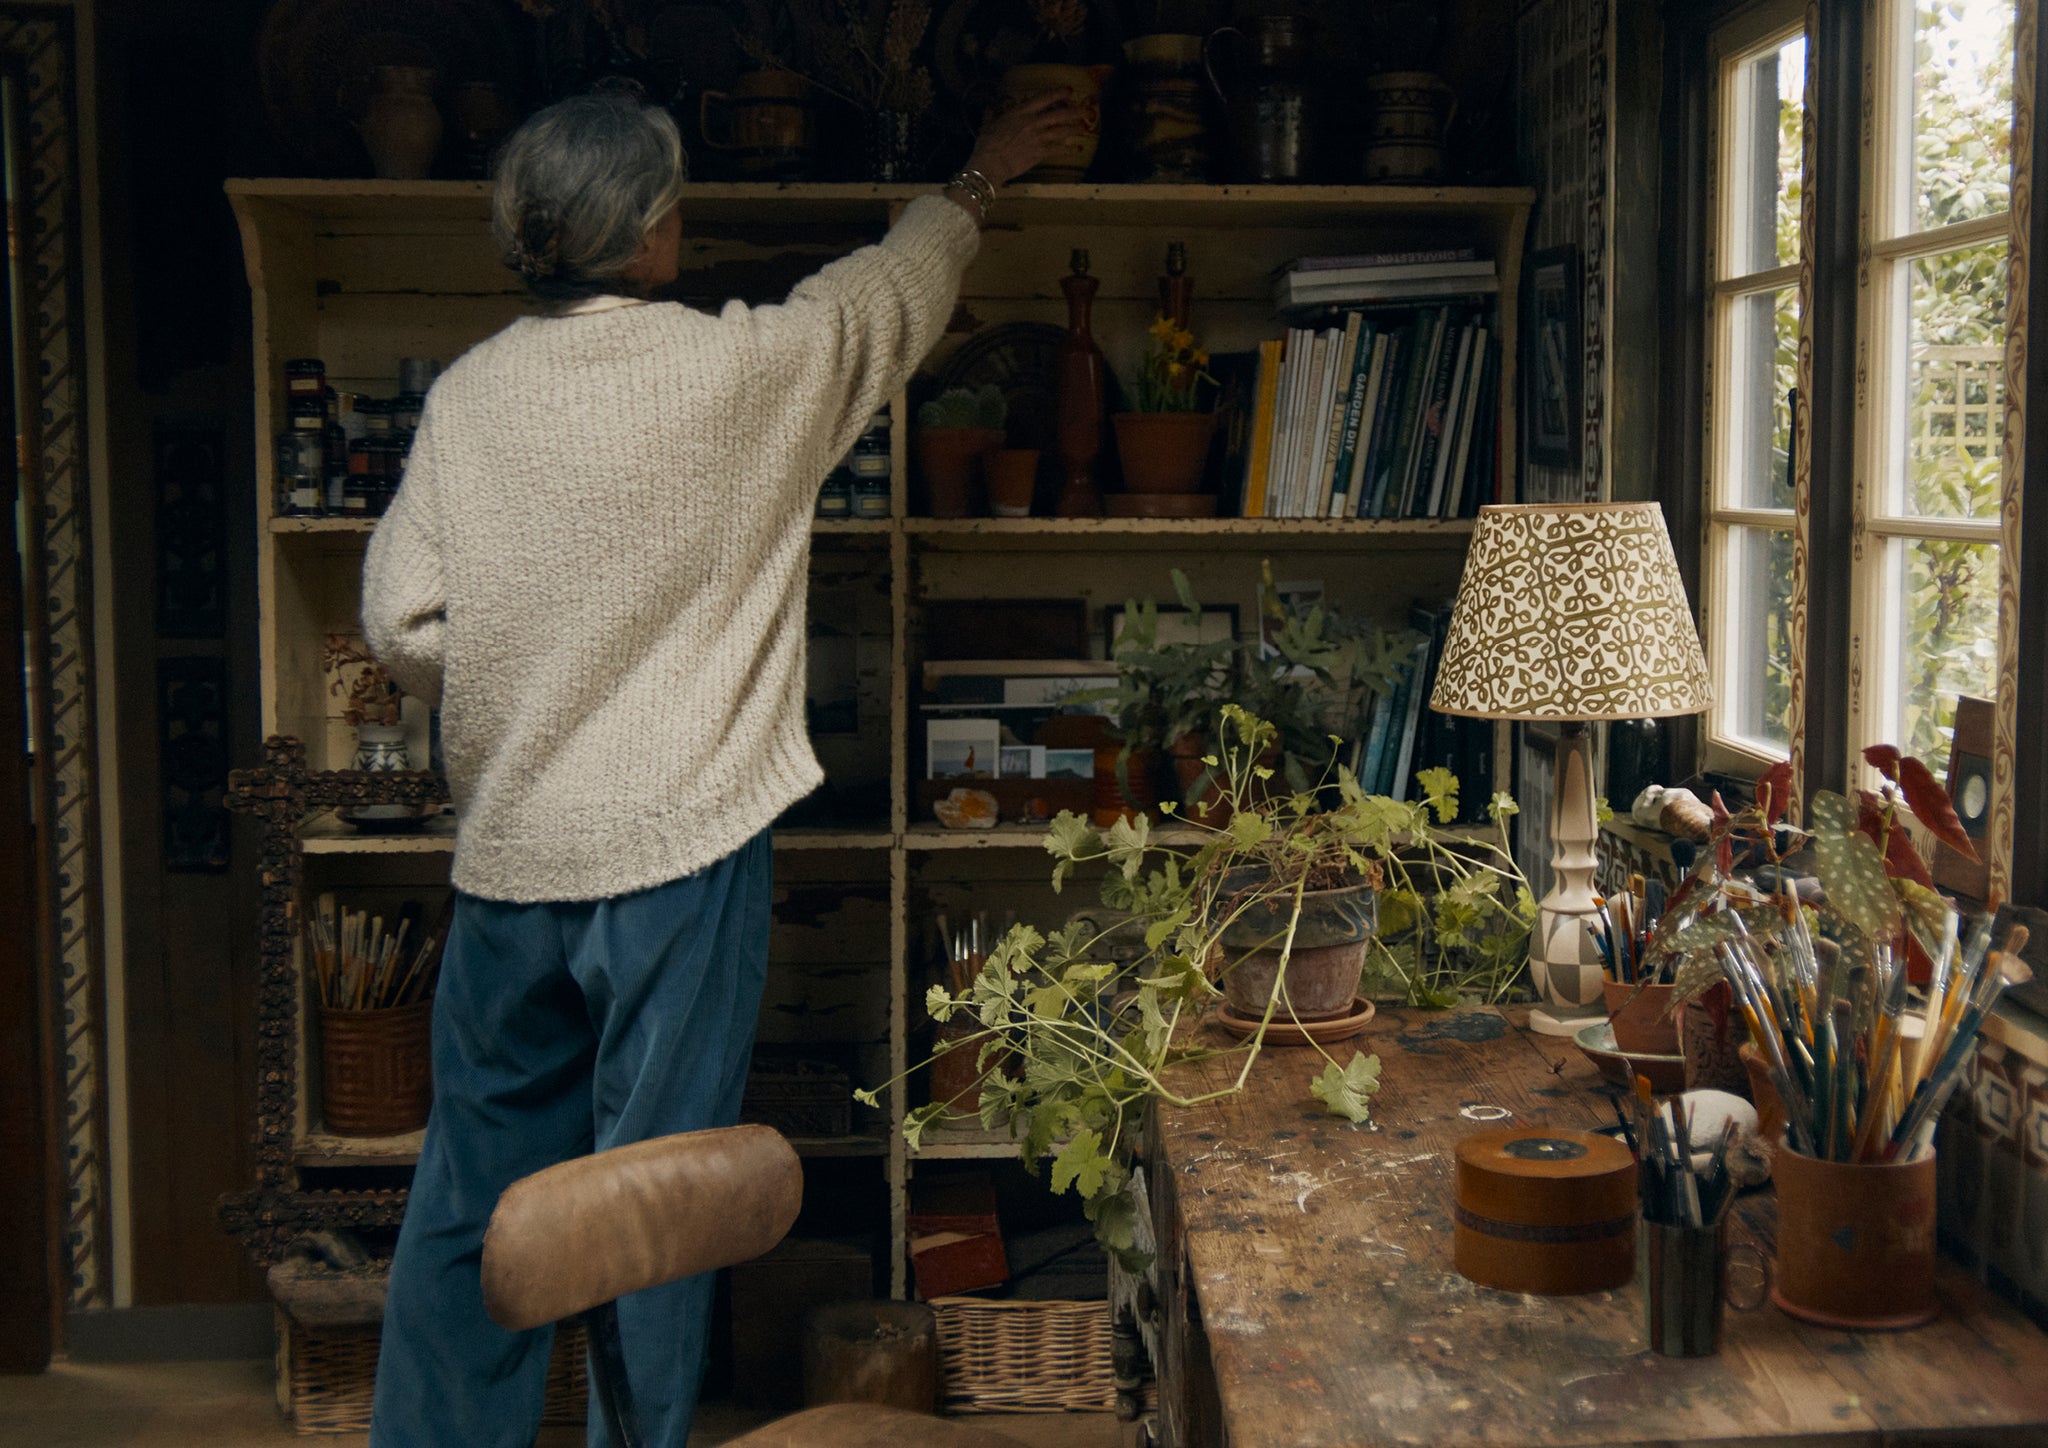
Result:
x=1061 y=21
x=372 y=697
x=862 y=51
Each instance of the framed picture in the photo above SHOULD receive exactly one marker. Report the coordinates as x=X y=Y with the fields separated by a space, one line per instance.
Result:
x=1217 y=623
x=1555 y=353
x=1070 y=764
x=1022 y=761
x=962 y=747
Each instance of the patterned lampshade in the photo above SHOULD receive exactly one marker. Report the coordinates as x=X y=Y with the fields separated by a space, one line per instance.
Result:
x=1571 y=611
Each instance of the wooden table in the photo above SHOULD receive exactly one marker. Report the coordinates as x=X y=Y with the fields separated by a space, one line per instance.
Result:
x=1308 y=1295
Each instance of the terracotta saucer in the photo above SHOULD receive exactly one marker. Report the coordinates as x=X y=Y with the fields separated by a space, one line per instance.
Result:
x=1282 y=1031
x=1160 y=505
x=1666 y=1073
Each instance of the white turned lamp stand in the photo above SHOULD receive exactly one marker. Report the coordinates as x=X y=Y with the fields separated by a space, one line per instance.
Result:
x=1568 y=613
x=1564 y=962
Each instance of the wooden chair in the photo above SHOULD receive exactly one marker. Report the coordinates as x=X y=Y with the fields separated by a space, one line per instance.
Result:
x=570 y=1240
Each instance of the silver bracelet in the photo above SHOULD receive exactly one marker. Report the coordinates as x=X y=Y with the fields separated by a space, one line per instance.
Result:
x=977 y=188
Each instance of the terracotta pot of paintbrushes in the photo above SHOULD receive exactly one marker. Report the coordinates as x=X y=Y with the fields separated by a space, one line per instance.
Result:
x=1855 y=1241
x=376 y=1069
x=1642 y=1019
x=956 y=1073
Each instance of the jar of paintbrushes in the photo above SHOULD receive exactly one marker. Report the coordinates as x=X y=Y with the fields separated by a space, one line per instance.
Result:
x=1861 y=1093
x=1683 y=1251
x=375 y=984
x=1637 y=979
x=957 y=1068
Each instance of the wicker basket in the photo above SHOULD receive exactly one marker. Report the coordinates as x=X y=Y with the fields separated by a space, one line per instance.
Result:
x=376 y=1069
x=1024 y=1357
x=325 y=1377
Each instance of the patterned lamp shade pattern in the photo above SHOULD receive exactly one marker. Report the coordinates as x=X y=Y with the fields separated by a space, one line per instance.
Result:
x=1572 y=611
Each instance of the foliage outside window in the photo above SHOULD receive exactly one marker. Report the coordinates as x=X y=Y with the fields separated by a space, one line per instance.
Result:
x=1934 y=323
x=1754 y=336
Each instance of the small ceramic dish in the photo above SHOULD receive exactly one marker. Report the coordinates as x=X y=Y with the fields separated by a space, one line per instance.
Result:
x=386 y=819
x=1282 y=1030
x=1666 y=1073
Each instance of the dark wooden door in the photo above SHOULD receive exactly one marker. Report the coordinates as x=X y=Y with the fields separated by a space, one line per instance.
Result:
x=27 y=1263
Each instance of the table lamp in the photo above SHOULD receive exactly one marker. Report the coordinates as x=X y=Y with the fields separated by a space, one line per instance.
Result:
x=1570 y=613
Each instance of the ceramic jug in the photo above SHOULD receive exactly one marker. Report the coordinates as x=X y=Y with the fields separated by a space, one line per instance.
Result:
x=1409 y=111
x=1069 y=161
x=1168 y=127
x=764 y=121
x=1271 y=108
x=400 y=124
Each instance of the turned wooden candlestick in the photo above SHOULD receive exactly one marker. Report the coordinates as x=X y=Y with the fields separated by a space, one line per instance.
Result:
x=1083 y=388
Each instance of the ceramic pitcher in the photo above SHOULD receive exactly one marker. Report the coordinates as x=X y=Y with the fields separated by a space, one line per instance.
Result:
x=764 y=121
x=1271 y=107
x=400 y=124
x=1409 y=112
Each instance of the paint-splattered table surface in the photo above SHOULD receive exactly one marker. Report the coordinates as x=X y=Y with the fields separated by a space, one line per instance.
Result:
x=1320 y=1253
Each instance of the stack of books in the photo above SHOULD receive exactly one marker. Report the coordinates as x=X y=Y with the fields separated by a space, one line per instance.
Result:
x=1402 y=734
x=1390 y=408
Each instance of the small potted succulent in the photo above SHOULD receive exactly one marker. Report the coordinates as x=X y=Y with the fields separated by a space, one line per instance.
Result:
x=956 y=431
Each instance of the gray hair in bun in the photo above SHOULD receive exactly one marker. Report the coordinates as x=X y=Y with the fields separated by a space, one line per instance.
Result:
x=579 y=185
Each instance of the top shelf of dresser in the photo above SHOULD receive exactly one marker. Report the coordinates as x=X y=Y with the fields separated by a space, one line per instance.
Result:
x=351 y=204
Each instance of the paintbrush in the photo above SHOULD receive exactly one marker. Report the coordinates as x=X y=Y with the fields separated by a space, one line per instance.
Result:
x=1884 y=1052
x=1915 y=1131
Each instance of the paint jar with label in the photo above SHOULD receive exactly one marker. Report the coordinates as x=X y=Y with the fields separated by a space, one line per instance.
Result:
x=835 y=498
x=869 y=464
x=301 y=473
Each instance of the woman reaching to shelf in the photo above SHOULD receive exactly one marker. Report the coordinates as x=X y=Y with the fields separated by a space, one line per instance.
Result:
x=597 y=564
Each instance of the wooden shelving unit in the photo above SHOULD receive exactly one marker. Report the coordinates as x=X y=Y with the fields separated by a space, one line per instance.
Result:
x=363 y=273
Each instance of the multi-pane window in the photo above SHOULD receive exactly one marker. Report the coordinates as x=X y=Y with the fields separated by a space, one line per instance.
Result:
x=1754 y=337
x=1937 y=183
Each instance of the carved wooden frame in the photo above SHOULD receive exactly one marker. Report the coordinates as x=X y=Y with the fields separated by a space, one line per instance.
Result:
x=280 y=794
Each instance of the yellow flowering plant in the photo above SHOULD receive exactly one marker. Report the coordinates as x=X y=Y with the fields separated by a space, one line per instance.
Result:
x=1174 y=368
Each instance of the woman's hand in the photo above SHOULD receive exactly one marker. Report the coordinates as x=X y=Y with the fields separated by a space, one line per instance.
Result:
x=1017 y=140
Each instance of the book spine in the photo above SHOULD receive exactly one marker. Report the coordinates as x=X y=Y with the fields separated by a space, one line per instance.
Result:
x=1292 y=362
x=1429 y=434
x=1340 y=394
x=1351 y=464
x=1308 y=457
x=1414 y=401
x=1445 y=442
x=1461 y=469
x=1386 y=423
x=1411 y=717
x=1259 y=454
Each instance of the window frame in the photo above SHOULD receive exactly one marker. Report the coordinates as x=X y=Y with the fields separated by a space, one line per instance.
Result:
x=1890 y=247
x=1731 y=44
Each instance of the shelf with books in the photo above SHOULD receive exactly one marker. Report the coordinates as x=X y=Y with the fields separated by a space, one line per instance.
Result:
x=1004 y=534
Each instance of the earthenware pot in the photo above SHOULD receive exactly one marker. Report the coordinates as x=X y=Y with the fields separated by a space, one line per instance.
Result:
x=1163 y=452
x=1322 y=980
x=763 y=123
x=400 y=124
x=1270 y=105
x=1642 y=1025
x=1855 y=1241
x=1168 y=127
x=1125 y=783
x=1083 y=86
x=950 y=460
x=1012 y=474
x=1409 y=111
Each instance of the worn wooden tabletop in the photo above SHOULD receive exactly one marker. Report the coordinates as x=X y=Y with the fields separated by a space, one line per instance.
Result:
x=1321 y=1255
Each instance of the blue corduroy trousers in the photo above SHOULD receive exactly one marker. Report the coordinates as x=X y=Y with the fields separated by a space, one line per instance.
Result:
x=560 y=1029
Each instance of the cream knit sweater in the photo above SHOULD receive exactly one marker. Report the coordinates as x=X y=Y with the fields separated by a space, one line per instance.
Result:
x=598 y=562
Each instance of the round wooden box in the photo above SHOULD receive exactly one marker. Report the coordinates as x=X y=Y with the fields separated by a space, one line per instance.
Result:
x=1540 y=1210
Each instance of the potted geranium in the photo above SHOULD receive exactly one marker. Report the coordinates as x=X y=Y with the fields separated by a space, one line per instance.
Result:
x=1093 y=1018
x=1163 y=442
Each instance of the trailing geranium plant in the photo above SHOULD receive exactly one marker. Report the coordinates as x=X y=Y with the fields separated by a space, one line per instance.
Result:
x=1086 y=1023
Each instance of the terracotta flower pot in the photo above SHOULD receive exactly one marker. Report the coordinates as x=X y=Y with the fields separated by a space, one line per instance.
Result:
x=1855 y=1241
x=1163 y=452
x=1135 y=793
x=1202 y=801
x=957 y=1074
x=1012 y=481
x=1641 y=1025
x=1322 y=980
x=1083 y=86
x=950 y=461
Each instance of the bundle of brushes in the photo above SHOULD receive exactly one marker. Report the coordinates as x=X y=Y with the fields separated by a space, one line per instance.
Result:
x=1854 y=1087
x=1623 y=927
x=362 y=966
x=967 y=949
x=1675 y=1189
